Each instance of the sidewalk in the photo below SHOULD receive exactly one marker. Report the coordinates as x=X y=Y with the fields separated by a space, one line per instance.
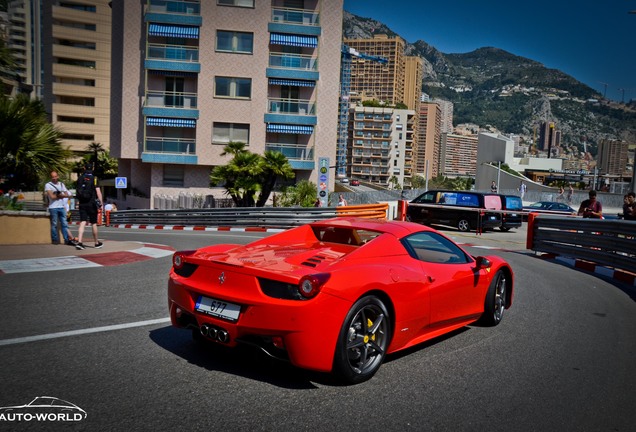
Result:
x=49 y=257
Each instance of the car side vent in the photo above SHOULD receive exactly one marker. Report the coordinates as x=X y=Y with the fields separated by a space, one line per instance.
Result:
x=314 y=261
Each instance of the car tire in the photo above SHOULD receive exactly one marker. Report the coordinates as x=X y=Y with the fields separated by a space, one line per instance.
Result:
x=363 y=340
x=504 y=229
x=495 y=302
x=463 y=225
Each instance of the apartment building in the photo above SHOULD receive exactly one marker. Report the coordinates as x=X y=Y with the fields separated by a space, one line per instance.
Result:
x=190 y=76
x=613 y=157
x=429 y=140
x=372 y=80
x=380 y=148
x=458 y=156
x=447 y=108
x=63 y=52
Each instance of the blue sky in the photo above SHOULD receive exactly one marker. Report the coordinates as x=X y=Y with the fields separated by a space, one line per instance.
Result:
x=592 y=40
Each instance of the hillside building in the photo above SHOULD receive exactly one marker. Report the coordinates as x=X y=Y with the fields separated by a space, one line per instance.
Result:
x=458 y=155
x=612 y=157
x=429 y=140
x=211 y=72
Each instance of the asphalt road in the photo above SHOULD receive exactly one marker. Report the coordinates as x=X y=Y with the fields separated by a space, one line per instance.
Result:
x=562 y=359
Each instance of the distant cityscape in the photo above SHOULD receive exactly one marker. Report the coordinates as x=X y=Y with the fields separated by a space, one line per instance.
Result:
x=164 y=86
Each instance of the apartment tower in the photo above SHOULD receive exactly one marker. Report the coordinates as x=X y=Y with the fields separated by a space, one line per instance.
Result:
x=191 y=76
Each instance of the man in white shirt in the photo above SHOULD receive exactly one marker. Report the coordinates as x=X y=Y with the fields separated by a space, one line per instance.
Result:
x=56 y=192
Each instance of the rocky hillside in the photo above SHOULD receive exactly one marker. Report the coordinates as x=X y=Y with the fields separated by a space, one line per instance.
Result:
x=492 y=87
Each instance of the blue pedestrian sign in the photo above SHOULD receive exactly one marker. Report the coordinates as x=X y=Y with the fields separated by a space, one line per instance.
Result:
x=121 y=182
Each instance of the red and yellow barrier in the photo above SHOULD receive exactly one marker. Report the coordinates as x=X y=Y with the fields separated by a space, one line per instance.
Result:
x=370 y=211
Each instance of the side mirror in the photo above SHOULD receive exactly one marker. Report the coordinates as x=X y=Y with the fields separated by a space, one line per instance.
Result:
x=482 y=262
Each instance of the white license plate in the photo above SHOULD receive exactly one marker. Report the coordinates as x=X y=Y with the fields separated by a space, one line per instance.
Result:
x=218 y=308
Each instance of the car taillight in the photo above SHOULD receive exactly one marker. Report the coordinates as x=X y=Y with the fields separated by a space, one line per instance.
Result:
x=178 y=258
x=311 y=285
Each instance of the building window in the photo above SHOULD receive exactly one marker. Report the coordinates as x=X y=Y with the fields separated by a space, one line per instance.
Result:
x=223 y=133
x=75 y=100
x=237 y=88
x=79 y=137
x=76 y=62
x=76 y=81
x=173 y=175
x=237 y=3
x=78 y=6
x=238 y=42
x=71 y=119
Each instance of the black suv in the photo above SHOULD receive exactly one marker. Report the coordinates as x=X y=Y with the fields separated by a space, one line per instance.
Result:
x=464 y=210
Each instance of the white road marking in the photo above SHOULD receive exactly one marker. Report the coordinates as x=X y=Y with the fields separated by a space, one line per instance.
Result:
x=36 y=338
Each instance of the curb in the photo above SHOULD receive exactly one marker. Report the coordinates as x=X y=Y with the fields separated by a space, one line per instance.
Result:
x=146 y=252
x=193 y=228
x=612 y=273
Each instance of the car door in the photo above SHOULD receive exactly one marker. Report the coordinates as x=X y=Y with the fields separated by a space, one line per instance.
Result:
x=451 y=277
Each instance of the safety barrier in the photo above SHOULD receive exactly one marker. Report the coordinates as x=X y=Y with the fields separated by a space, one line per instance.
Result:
x=606 y=242
x=263 y=217
x=373 y=211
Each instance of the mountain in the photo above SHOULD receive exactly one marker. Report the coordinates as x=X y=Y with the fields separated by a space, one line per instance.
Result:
x=491 y=87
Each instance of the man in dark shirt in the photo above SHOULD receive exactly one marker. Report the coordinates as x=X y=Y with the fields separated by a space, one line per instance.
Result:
x=591 y=208
x=629 y=208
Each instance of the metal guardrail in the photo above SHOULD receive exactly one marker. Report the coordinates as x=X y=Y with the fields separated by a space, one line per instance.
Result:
x=606 y=242
x=263 y=217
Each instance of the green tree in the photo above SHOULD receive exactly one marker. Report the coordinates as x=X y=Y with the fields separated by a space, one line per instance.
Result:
x=248 y=174
x=418 y=182
x=30 y=147
x=274 y=165
x=302 y=194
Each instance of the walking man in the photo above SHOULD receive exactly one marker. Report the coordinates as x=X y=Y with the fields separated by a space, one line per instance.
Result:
x=89 y=196
x=56 y=193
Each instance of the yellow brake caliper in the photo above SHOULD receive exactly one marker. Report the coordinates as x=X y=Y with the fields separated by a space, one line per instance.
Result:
x=366 y=337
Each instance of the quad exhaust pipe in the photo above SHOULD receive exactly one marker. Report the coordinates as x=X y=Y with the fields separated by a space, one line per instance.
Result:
x=215 y=333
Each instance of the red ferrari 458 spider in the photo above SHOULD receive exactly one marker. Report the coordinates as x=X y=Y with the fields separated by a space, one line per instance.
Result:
x=337 y=295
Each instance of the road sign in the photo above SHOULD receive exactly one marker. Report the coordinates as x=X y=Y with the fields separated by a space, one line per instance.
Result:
x=121 y=182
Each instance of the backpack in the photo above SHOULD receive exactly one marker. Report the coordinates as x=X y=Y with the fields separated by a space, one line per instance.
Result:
x=86 y=188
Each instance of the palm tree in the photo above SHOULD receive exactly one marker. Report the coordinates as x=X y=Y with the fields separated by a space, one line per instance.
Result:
x=240 y=177
x=275 y=165
x=30 y=147
x=95 y=148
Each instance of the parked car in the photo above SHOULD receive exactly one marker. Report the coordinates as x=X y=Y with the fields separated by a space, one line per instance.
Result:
x=514 y=218
x=464 y=210
x=355 y=182
x=550 y=207
x=336 y=295
x=344 y=180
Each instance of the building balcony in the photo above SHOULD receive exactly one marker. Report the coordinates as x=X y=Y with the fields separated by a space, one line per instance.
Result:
x=295 y=16
x=171 y=100
x=172 y=53
x=291 y=106
x=173 y=12
x=170 y=145
x=299 y=157
x=174 y=7
x=293 y=61
x=170 y=104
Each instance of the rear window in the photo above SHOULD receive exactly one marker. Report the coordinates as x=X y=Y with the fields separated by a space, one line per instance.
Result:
x=513 y=203
x=460 y=199
x=492 y=202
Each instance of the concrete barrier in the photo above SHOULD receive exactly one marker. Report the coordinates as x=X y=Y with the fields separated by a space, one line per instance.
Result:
x=25 y=227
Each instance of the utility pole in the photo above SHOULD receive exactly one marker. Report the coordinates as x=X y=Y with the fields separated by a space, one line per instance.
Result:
x=623 y=96
x=604 y=88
